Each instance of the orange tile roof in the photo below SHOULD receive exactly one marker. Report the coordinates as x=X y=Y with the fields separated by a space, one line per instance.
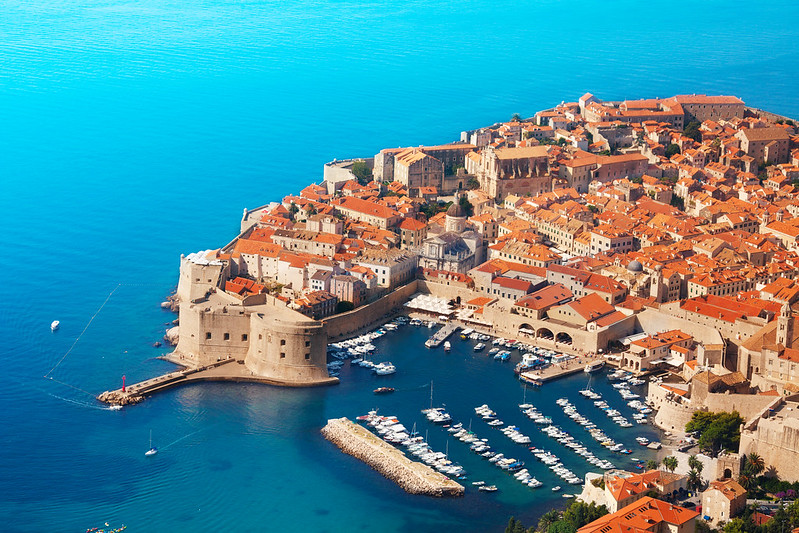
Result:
x=643 y=515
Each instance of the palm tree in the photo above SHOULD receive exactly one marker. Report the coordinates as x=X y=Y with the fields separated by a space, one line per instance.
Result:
x=652 y=465
x=755 y=463
x=746 y=481
x=694 y=479
x=670 y=463
x=695 y=464
x=516 y=118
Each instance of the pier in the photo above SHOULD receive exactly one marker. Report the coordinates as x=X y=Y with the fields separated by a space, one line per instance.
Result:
x=441 y=335
x=413 y=477
x=226 y=370
x=566 y=368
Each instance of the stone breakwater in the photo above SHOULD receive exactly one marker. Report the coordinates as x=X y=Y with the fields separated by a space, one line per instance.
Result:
x=412 y=476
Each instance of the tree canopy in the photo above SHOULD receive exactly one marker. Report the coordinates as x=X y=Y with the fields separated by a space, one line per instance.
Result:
x=362 y=172
x=717 y=431
x=692 y=130
x=672 y=149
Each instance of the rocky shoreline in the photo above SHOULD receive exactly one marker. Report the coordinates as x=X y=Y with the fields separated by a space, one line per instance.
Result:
x=413 y=477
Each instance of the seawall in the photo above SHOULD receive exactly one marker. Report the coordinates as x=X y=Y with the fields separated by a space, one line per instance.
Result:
x=413 y=477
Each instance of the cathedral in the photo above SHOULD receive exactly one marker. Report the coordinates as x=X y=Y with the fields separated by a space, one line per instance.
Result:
x=457 y=249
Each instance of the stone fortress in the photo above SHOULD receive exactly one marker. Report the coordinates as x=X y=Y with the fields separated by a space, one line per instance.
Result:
x=272 y=341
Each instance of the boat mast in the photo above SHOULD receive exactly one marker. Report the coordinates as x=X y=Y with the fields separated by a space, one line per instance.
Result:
x=431 y=394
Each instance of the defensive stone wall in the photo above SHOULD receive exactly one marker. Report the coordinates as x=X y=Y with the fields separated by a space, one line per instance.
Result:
x=348 y=324
x=448 y=292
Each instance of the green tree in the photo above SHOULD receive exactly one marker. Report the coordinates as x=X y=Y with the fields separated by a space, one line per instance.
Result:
x=692 y=130
x=360 y=169
x=310 y=209
x=736 y=525
x=472 y=184
x=694 y=479
x=670 y=463
x=293 y=209
x=547 y=519
x=466 y=205
x=717 y=431
x=703 y=527
x=652 y=464
x=516 y=117
x=514 y=526
x=672 y=149
x=754 y=463
x=695 y=464
x=343 y=306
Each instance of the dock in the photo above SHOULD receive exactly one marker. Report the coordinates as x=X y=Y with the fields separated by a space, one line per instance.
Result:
x=225 y=370
x=441 y=335
x=412 y=476
x=560 y=370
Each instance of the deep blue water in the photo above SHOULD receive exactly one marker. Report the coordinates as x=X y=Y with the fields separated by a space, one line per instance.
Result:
x=133 y=131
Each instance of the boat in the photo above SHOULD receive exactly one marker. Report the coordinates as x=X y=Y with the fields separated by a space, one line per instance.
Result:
x=487 y=488
x=593 y=366
x=115 y=407
x=479 y=346
x=153 y=450
x=447 y=346
x=54 y=325
x=383 y=390
x=556 y=488
x=384 y=369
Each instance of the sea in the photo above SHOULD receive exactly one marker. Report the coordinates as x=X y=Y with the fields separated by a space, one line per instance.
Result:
x=133 y=131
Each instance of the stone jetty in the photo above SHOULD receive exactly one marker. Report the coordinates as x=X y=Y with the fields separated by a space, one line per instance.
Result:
x=412 y=476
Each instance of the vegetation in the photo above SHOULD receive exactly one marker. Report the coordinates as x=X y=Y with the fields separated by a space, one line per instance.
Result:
x=466 y=205
x=293 y=209
x=677 y=202
x=472 y=184
x=343 y=306
x=559 y=142
x=670 y=463
x=310 y=210
x=599 y=482
x=753 y=465
x=717 y=431
x=692 y=130
x=430 y=209
x=637 y=179
x=672 y=149
x=652 y=464
x=362 y=172
x=604 y=152
x=516 y=117
x=695 y=474
x=573 y=518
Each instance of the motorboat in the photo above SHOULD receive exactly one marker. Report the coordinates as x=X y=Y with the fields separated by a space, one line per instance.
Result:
x=593 y=366
x=479 y=346
x=54 y=325
x=383 y=390
x=488 y=488
x=447 y=346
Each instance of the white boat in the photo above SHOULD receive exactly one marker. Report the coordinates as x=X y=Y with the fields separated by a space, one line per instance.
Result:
x=447 y=346
x=153 y=450
x=593 y=366
x=54 y=325
x=384 y=369
x=479 y=346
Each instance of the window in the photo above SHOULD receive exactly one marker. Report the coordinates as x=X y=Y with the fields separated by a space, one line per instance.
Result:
x=208 y=336
x=260 y=336
x=307 y=343
x=307 y=356
x=282 y=355
x=227 y=336
x=282 y=342
x=244 y=337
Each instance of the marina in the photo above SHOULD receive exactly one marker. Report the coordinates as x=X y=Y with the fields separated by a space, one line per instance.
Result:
x=536 y=449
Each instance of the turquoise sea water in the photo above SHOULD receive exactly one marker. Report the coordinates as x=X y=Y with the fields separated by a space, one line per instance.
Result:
x=133 y=131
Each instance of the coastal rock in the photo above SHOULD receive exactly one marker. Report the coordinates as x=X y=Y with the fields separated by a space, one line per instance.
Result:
x=172 y=335
x=413 y=477
x=116 y=397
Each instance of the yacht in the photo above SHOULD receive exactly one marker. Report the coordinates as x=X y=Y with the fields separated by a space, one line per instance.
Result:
x=479 y=346
x=54 y=325
x=447 y=346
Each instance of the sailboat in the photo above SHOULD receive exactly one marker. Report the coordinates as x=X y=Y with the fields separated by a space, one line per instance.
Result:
x=153 y=450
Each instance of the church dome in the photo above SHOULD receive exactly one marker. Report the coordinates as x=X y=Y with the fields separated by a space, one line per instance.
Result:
x=635 y=266
x=456 y=210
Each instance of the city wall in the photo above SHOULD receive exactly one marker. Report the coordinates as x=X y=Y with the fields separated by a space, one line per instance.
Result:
x=348 y=324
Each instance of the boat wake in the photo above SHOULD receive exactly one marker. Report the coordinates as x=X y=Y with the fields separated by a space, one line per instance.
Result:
x=80 y=403
x=184 y=437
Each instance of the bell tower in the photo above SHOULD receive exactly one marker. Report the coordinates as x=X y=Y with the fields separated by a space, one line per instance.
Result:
x=785 y=326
